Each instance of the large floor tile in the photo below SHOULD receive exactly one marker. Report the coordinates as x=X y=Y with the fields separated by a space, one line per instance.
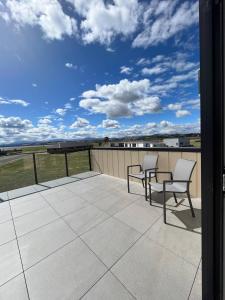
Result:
x=65 y=205
x=66 y=274
x=86 y=218
x=7 y=232
x=185 y=243
x=15 y=289
x=56 y=194
x=108 y=288
x=28 y=204
x=5 y=212
x=34 y=220
x=196 y=293
x=40 y=243
x=114 y=203
x=10 y=264
x=110 y=240
x=150 y=271
x=139 y=217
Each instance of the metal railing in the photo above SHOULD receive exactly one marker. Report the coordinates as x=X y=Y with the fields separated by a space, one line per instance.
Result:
x=26 y=169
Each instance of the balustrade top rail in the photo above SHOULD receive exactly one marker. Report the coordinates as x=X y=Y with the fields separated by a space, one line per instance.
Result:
x=160 y=149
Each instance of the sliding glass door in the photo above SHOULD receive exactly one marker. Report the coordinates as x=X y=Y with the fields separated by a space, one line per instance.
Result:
x=212 y=129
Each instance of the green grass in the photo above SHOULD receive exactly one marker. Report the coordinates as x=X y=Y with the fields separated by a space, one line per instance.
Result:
x=196 y=142
x=20 y=173
x=34 y=149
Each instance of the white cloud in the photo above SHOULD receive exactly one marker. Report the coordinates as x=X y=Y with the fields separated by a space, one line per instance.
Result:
x=70 y=66
x=14 y=101
x=61 y=111
x=174 y=106
x=72 y=99
x=48 y=15
x=125 y=70
x=182 y=113
x=80 y=122
x=108 y=124
x=14 y=122
x=158 y=58
x=123 y=99
x=34 y=85
x=103 y=22
x=44 y=121
x=143 y=62
x=68 y=106
x=153 y=71
x=163 y=19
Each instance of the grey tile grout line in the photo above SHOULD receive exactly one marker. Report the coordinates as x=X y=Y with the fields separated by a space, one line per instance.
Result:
x=51 y=253
x=79 y=236
x=109 y=268
x=194 y=279
x=21 y=261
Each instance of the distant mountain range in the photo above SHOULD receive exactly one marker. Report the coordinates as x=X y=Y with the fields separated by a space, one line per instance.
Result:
x=144 y=137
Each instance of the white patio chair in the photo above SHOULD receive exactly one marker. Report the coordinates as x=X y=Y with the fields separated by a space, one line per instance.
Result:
x=149 y=164
x=179 y=183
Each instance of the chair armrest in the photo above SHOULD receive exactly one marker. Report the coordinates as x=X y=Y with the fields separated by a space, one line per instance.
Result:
x=172 y=181
x=161 y=172
x=131 y=166
x=147 y=170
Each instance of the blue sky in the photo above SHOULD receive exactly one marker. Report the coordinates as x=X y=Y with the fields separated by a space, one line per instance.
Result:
x=75 y=69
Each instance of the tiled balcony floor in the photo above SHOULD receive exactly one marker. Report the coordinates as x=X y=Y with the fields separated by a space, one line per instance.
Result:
x=90 y=239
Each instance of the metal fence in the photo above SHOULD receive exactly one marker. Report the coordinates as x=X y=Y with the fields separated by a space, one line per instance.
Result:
x=27 y=169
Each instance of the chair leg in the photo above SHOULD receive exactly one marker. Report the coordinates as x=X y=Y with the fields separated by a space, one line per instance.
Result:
x=174 y=195
x=190 y=203
x=143 y=183
x=146 y=192
x=164 y=206
x=156 y=178
x=128 y=183
x=150 y=195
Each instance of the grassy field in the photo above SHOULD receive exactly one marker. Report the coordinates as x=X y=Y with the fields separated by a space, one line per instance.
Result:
x=20 y=173
x=34 y=149
x=196 y=142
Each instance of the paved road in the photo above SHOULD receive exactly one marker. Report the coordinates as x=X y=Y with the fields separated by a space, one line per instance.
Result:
x=11 y=158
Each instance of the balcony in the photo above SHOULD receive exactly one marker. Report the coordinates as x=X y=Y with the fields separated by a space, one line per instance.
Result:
x=86 y=237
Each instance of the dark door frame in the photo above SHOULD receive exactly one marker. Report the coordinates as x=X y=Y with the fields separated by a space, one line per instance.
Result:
x=212 y=98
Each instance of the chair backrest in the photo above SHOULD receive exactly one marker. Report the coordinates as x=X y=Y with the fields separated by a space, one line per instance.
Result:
x=183 y=169
x=150 y=161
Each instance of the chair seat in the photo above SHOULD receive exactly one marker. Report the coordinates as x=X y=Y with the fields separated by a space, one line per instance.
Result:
x=173 y=188
x=141 y=175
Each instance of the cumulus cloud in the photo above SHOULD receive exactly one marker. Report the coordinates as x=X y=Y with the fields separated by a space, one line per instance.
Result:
x=108 y=124
x=102 y=22
x=125 y=70
x=70 y=65
x=14 y=122
x=79 y=123
x=61 y=111
x=125 y=98
x=174 y=106
x=47 y=15
x=164 y=19
x=14 y=101
x=182 y=113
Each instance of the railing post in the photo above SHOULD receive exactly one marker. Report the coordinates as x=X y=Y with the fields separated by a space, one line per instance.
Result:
x=89 y=155
x=35 y=169
x=66 y=163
